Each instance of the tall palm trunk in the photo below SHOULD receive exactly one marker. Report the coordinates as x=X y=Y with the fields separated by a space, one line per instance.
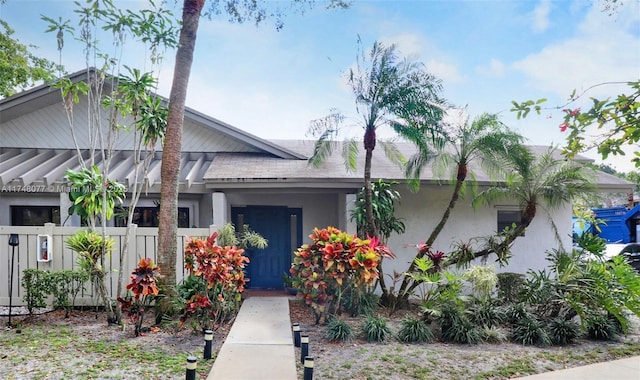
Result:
x=369 y=146
x=168 y=216
x=404 y=293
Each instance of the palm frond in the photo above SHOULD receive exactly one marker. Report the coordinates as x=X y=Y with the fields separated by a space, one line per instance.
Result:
x=321 y=150
x=350 y=154
x=392 y=152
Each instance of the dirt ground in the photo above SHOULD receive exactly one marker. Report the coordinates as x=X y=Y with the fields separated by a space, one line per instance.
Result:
x=359 y=359
x=83 y=346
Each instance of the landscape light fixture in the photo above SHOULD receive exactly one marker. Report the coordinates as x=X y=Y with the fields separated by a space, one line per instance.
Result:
x=13 y=242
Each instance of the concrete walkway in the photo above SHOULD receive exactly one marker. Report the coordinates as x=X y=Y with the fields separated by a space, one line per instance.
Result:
x=259 y=344
x=623 y=369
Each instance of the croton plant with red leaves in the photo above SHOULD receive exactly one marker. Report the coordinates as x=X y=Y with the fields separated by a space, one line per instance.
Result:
x=332 y=262
x=141 y=292
x=220 y=271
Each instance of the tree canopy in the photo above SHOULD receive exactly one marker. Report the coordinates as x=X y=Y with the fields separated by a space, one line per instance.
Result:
x=20 y=68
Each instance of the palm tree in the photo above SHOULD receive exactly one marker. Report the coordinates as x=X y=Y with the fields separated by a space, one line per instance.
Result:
x=384 y=87
x=238 y=11
x=535 y=182
x=486 y=139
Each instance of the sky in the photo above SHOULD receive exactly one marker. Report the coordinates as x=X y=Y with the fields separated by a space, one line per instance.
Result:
x=486 y=52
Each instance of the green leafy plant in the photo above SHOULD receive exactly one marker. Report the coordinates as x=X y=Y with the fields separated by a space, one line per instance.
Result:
x=483 y=280
x=517 y=312
x=91 y=247
x=601 y=327
x=245 y=238
x=414 y=330
x=144 y=288
x=90 y=191
x=493 y=335
x=333 y=262
x=375 y=329
x=530 y=332
x=339 y=330
x=486 y=313
x=37 y=286
x=456 y=327
x=562 y=332
x=509 y=286
x=360 y=300
x=65 y=286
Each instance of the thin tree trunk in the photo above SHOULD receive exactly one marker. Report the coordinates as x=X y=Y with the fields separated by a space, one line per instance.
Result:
x=527 y=218
x=168 y=216
x=404 y=293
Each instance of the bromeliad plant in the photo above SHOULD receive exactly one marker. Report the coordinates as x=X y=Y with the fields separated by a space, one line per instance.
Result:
x=333 y=262
x=141 y=292
x=215 y=283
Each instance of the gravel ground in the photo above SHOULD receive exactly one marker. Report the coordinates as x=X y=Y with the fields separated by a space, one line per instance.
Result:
x=359 y=359
x=83 y=346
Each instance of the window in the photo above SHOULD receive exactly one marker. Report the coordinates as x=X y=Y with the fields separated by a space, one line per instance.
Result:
x=506 y=218
x=148 y=217
x=34 y=215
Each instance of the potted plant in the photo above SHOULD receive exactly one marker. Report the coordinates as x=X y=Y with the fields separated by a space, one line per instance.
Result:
x=288 y=284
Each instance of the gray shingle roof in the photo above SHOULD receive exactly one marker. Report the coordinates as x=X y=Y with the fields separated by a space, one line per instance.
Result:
x=257 y=168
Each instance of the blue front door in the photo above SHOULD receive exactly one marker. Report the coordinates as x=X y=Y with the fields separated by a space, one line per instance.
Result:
x=268 y=265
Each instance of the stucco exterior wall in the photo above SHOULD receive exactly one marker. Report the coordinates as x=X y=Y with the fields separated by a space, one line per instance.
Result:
x=422 y=211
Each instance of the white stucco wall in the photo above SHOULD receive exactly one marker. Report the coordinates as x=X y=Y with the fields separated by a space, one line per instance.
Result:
x=422 y=211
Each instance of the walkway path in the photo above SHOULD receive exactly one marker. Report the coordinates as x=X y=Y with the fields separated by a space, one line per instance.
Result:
x=622 y=369
x=259 y=344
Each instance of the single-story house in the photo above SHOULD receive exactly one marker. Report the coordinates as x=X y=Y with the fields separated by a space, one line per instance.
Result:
x=228 y=175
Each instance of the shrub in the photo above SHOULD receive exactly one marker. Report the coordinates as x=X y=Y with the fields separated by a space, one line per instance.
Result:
x=65 y=286
x=217 y=293
x=333 y=262
x=456 y=327
x=37 y=286
x=414 y=330
x=530 y=332
x=562 y=331
x=493 y=335
x=339 y=330
x=375 y=329
x=509 y=286
x=517 y=312
x=483 y=280
x=601 y=327
x=486 y=314
x=144 y=288
x=360 y=301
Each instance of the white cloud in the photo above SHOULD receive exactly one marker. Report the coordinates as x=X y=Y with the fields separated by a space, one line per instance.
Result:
x=540 y=21
x=448 y=72
x=495 y=69
x=600 y=51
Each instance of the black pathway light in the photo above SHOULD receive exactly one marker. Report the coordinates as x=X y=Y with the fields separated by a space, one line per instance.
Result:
x=13 y=242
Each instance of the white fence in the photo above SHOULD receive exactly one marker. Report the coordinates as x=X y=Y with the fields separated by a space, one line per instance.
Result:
x=142 y=243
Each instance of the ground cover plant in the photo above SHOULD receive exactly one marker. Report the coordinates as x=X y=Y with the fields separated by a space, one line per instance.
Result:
x=429 y=357
x=461 y=325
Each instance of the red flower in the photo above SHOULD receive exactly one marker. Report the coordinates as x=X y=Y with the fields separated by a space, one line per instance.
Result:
x=564 y=126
